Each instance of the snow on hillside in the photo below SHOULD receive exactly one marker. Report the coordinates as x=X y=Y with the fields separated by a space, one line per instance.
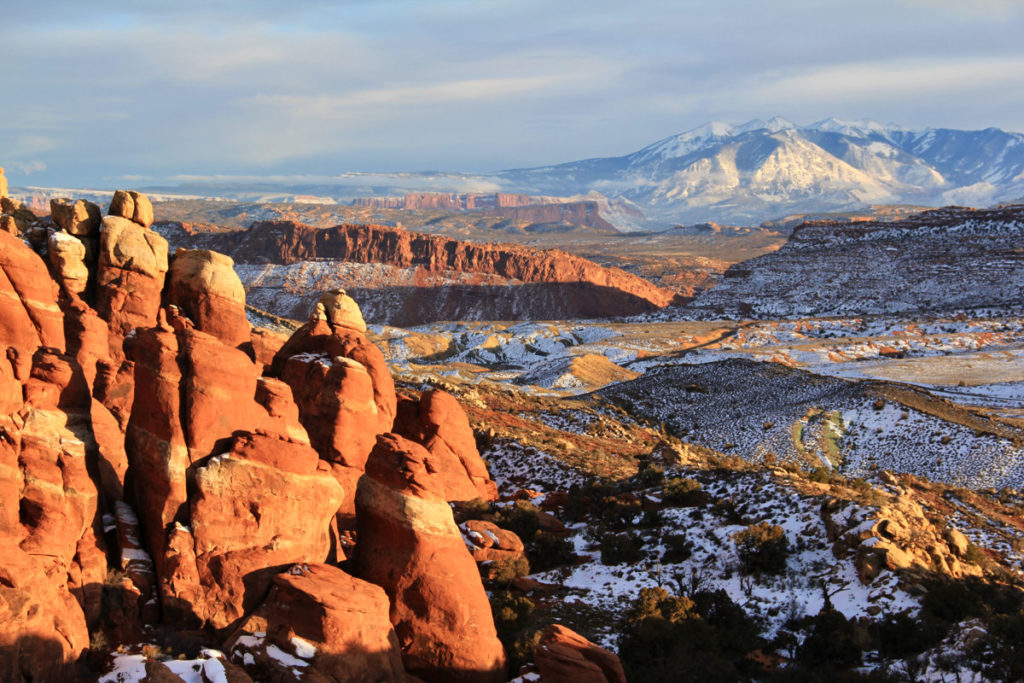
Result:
x=756 y=171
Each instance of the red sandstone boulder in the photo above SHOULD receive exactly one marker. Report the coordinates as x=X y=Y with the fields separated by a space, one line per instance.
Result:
x=129 y=278
x=204 y=286
x=76 y=216
x=564 y=656
x=440 y=424
x=133 y=206
x=341 y=310
x=321 y=336
x=409 y=544
x=28 y=299
x=491 y=542
x=331 y=626
x=343 y=388
x=336 y=404
x=66 y=254
x=255 y=504
x=265 y=345
x=262 y=504
x=42 y=627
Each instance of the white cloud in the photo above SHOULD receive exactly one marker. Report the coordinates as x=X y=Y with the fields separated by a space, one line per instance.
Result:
x=897 y=78
x=28 y=167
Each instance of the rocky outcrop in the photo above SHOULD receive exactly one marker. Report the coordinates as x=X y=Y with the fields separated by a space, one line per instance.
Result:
x=76 y=216
x=22 y=215
x=9 y=225
x=66 y=254
x=343 y=388
x=264 y=503
x=410 y=545
x=53 y=563
x=3 y=183
x=564 y=656
x=331 y=626
x=404 y=278
x=204 y=286
x=130 y=277
x=491 y=543
x=897 y=537
x=207 y=464
x=133 y=206
x=28 y=304
x=196 y=397
x=439 y=423
x=286 y=242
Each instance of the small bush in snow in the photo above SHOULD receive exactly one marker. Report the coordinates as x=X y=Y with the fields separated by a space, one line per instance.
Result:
x=762 y=548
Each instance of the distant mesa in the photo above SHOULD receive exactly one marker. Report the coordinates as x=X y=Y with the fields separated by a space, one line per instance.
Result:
x=407 y=278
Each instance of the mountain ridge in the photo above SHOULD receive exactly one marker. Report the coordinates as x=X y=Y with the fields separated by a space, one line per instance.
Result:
x=754 y=171
x=740 y=174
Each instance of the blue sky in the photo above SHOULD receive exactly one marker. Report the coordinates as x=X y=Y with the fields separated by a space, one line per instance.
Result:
x=107 y=93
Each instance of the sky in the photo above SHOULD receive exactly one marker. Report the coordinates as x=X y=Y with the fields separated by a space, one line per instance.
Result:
x=109 y=93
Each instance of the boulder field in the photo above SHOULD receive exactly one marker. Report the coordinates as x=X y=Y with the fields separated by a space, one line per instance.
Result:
x=165 y=468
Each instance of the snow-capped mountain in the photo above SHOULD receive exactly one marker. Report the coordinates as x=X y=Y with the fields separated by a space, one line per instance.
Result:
x=764 y=169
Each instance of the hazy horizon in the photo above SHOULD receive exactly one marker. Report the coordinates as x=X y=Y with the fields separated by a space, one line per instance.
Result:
x=115 y=93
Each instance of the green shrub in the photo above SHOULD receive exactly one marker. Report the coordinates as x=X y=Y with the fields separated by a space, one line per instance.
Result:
x=668 y=638
x=519 y=518
x=677 y=548
x=681 y=491
x=649 y=474
x=504 y=572
x=513 y=620
x=762 y=548
x=622 y=548
x=547 y=551
x=819 y=475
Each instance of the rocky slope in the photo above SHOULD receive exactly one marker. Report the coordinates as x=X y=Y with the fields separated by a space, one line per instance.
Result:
x=938 y=261
x=405 y=278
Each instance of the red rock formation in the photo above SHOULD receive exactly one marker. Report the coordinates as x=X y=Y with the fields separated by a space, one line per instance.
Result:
x=564 y=656
x=264 y=503
x=286 y=242
x=204 y=286
x=343 y=388
x=76 y=217
x=492 y=543
x=28 y=299
x=410 y=545
x=266 y=344
x=432 y=200
x=334 y=627
x=133 y=206
x=130 y=277
x=66 y=254
x=572 y=213
x=439 y=423
x=52 y=564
